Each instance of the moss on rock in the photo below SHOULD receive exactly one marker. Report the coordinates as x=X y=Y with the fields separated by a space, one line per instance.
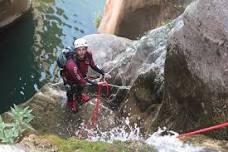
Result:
x=53 y=143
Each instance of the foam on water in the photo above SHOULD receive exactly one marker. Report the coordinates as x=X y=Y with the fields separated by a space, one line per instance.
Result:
x=163 y=143
x=170 y=143
x=11 y=148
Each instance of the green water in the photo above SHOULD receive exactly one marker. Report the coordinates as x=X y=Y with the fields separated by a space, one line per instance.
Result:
x=29 y=47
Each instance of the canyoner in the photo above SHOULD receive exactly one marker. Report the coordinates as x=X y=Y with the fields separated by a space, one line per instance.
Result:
x=74 y=64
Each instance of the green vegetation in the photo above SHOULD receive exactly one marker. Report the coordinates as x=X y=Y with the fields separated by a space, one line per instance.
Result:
x=10 y=132
x=72 y=144
x=167 y=21
x=98 y=19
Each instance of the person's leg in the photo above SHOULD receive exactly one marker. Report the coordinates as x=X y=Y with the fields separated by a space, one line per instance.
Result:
x=71 y=102
x=82 y=97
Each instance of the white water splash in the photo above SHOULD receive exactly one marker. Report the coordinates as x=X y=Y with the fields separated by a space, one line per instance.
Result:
x=120 y=133
x=170 y=143
x=163 y=143
x=11 y=148
x=123 y=133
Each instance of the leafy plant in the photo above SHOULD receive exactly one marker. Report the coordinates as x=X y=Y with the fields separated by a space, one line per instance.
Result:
x=21 y=117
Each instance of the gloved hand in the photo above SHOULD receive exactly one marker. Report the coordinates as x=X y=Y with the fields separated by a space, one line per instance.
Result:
x=96 y=84
x=88 y=84
x=91 y=82
x=67 y=87
x=107 y=76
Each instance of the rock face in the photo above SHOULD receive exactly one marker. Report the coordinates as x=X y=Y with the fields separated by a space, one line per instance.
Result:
x=131 y=18
x=10 y=10
x=105 y=47
x=141 y=67
x=53 y=117
x=196 y=70
x=195 y=93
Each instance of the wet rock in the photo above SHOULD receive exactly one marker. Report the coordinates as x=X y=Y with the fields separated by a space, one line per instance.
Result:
x=141 y=66
x=211 y=143
x=53 y=117
x=10 y=10
x=36 y=143
x=196 y=70
x=131 y=18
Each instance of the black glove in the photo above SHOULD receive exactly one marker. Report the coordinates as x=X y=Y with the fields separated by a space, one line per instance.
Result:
x=67 y=87
x=90 y=82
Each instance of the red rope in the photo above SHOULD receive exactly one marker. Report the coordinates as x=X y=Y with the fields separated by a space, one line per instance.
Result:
x=97 y=104
x=96 y=108
x=204 y=130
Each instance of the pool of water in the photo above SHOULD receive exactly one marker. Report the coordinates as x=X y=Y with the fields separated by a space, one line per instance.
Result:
x=29 y=47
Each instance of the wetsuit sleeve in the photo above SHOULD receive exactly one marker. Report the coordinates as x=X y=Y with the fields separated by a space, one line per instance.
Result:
x=94 y=66
x=74 y=72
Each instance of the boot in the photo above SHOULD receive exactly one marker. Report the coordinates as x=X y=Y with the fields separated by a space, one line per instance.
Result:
x=84 y=98
x=72 y=106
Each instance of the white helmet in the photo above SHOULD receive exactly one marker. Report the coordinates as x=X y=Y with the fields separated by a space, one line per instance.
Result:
x=80 y=43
